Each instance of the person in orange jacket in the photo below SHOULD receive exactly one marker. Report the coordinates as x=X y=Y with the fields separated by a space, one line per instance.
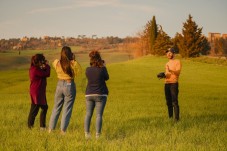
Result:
x=172 y=73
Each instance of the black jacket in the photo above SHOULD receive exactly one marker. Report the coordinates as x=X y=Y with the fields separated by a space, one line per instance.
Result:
x=97 y=78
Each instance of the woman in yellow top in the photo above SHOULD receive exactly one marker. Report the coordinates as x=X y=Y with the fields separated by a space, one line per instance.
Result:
x=67 y=68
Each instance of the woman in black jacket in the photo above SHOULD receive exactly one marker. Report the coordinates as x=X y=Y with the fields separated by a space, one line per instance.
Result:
x=96 y=92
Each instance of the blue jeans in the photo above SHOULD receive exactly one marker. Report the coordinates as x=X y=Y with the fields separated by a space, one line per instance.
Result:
x=91 y=102
x=64 y=98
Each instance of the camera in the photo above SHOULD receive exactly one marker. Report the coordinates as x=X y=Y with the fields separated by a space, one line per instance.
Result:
x=161 y=75
x=43 y=64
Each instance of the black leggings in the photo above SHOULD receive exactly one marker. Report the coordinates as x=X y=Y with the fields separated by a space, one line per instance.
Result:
x=33 y=113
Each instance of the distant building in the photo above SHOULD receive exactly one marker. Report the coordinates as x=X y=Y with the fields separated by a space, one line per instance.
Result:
x=46 y=37
x=213 y=36
x=224 y=35
x=213 y=45
x=24 y=39
x=60 y=44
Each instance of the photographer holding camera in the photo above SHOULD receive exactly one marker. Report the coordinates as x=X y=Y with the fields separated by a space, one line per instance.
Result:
x=172 y=73
x=96 y=92
x=67 y=69
x=38 y=73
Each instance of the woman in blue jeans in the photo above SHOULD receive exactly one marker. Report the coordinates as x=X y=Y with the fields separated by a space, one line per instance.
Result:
x=96 y=92
x=67 y=68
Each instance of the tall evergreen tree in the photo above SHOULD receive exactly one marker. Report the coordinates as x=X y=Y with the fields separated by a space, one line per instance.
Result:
x=153 y=35
x=150 y=34
x=162 y=43
x=175 y=41
x=191 y=42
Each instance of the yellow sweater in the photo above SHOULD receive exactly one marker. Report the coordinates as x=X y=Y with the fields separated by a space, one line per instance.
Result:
x=60 y=73
x=173 y=69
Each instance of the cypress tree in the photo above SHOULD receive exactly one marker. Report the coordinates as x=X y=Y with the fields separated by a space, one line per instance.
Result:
x=153 y=35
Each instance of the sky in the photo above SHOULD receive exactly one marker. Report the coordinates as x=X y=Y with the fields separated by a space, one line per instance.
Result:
x=121 y=18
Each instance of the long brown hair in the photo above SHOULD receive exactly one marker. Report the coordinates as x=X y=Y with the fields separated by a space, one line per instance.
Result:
x=37 y=60
x=65 y=61
x=95 y=59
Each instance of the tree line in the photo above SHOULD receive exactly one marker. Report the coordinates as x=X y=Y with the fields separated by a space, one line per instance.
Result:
x=47 y=42
x=190 y=43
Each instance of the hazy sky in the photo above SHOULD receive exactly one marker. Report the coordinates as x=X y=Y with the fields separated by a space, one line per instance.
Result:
x=70 y=18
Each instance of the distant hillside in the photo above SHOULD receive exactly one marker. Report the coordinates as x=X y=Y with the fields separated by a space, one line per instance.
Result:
x=12 y=60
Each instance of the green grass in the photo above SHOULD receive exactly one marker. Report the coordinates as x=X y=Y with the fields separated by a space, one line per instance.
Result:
x=135 y=117
x=211 y=60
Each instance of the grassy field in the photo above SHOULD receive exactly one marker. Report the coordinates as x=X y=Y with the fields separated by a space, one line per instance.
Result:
x=135 y=117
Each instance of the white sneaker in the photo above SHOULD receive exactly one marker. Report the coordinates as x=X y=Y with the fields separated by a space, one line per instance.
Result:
x=50 y=130
x=87 y=135
x=63 y=132
x=97 y=135
x=42 y=128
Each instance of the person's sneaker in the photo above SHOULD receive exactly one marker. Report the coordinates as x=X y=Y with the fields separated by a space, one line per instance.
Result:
x=97 y=135
x=87 y=135
x=62 y=132
x=50 y=130
x=42 y=128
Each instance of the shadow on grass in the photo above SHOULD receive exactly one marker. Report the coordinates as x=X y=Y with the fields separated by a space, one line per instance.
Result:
x=131 y=126
x=202 y=121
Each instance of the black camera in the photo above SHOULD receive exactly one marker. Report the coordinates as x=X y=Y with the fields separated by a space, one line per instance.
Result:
x=161 y=75
x=43 y=64
x=43 y=61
